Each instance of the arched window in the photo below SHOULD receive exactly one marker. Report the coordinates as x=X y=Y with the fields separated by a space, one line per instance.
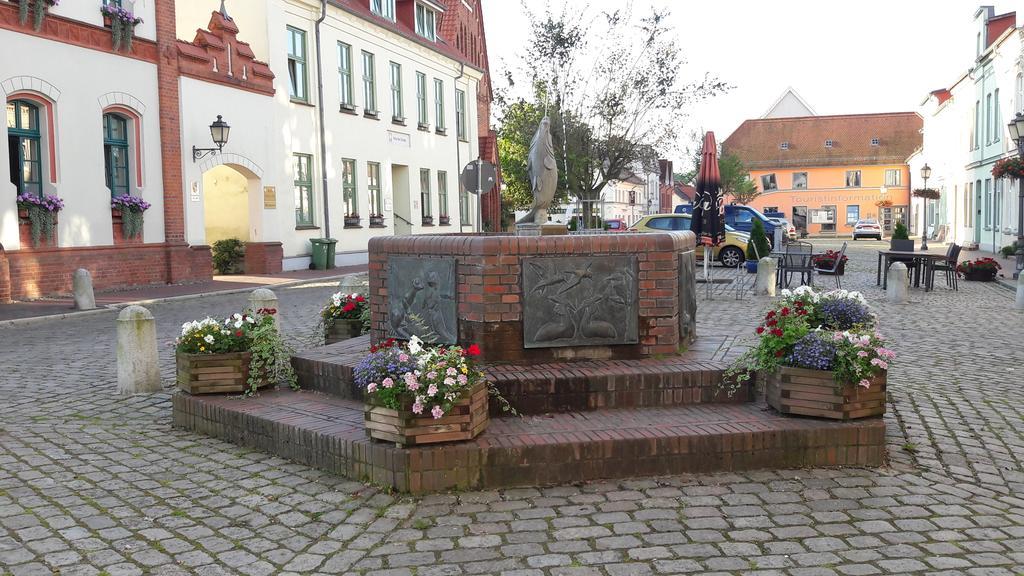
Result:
x=115 y=153
x=24 y=156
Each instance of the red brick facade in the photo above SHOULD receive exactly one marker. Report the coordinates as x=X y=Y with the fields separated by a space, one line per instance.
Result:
x=263 y=257
x=75 y=33
x=216 y=55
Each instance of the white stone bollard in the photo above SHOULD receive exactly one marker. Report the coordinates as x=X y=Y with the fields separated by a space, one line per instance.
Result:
x=358 y=283
x=897 y=288
x=265 y=298
x=138 y=365
x=81 y=285
x=767 y=275
x=1020 y=292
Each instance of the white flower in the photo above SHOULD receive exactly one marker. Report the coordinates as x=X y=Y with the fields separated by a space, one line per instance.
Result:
x=237 y=316
x=415 y=345
x=208 y=338
x=238 y=324
x=353 y=296
x=786 y=293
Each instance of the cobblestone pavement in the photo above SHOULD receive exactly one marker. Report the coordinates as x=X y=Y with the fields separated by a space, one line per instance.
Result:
x=93 y=483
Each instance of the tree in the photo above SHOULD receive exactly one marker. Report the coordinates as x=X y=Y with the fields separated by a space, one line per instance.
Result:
x=735 y=177
x=612 y=87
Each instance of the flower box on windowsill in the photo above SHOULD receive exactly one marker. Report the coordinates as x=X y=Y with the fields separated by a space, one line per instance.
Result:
x=423 y=127
x=444 y=221
x=25 y=232
x=804 y=392
x=117 y=223
x=466 y=420
x=398 y=120
x=427 y=221
x=376 y=221
x=347 y=109
x=352 y=221
x=441 y=131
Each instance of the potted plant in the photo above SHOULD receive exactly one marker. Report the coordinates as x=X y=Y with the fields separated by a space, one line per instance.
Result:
x=418 y=394
x=818 y=355
x=757 y=245
x=351 y=220
x=1010 y=167
x=376 y=220
x=345 y=316
x=927 y=193
x=241 y=354
x=130 y=209
x=37 y=8
x=228 y=256
x=41 y=214
x=900 y=232
x=122 y=25
x=427 y=220
x=884 y=203
x=827 y=260
x=980 y=270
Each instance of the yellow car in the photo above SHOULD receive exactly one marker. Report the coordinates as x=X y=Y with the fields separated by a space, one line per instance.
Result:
x=732 y=253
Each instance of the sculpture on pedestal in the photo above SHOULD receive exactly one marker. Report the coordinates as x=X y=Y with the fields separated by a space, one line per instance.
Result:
x=543 y=173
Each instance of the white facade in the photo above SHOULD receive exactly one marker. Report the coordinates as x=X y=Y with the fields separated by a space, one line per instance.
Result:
x=626 y=200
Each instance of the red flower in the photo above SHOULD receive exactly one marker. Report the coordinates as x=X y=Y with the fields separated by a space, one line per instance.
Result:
x=779 y=353
x=239 y=333
x=785 y=311
x=771 y=323
x=473 y=350
x=348 y=307
x=760 y=329
x=360 y=298
x=777 y=332
x=771 y=314
x=373 y=349
x=799 y=303
x=801 y=312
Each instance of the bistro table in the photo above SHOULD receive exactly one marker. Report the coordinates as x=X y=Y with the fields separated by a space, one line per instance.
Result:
x=923 y=264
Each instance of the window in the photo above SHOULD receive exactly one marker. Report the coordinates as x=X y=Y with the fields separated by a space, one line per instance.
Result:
x=115 y=153
x=397 y=112
x=852 y=215
x=460 y=114
x=297 y=65
x=768 y=182
x=303 y=190
x=369 y=84
x=969 y=204
x=828 y=143
x=112 y=3
x=663 y=223
x=988 y=203
x=23 y=147
x=977 y=128
x=894 y=177
x=385 y=8
x=988 y=119
x=425 y=18
x=439 y=104
x=997 y=202
x=784 y=146
x=1019 y=103
x=442 y=194
x=421 y=99
x=874 y=141
x=425 y=208
x=853 y=178
x=348 y=187
x=770 y=209
x=464 y=206
x=799 y=180
x=997 y=123
x=373 y=186
x=345 y=75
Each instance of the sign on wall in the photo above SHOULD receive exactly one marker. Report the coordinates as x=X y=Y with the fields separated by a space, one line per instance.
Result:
x=194 y=192
x=269 y=197
x=822 y=217
x=399 y=139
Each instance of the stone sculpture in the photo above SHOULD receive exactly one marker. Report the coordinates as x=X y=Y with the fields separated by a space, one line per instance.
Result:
x=543 y=172
x=421 y=299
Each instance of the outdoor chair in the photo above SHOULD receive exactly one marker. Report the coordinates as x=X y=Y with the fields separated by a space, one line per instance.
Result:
x=902 y=246
x=834 y=268
x=948 y=266
x=797 y=260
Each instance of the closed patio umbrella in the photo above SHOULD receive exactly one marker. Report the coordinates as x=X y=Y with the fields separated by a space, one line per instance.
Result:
x=706 y=221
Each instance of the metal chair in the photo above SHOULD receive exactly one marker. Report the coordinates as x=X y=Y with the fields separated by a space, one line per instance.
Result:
x=797 y=259
x=948 y=266
x=903 y=246
x=834 y=269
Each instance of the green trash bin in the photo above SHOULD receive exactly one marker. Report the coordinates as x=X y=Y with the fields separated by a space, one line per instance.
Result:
x=323 y=253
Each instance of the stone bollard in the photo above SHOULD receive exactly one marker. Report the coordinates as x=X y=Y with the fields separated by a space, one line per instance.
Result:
x=81 y=285
x=897 y=288
x=767 y=275
x=1020 y=292
x=265 y=298
x=138 y=366
x=358 y=283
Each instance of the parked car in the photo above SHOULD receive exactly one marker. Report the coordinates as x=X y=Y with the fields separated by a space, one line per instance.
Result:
x=731 y=253
x=788 y=229
x=615 y=225
x=867 y=228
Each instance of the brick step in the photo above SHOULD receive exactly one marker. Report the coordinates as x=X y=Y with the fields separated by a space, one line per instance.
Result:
x=327 y=432
x=553 y=387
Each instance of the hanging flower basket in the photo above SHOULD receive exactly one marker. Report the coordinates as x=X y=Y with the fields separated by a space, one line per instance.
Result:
x=131 y=209
x=122 y=25
x=41 y=213
x=1012 y=167
x=37 y=9
x=884 y=204
x=927 y=193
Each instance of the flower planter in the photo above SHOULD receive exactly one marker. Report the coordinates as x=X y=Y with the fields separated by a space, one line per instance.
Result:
x=465 y=421
x=117 y=221
x=214 y=373
x=25 y=232
x=427 y=221
x=351 y=221
x=444 y=220
x=751 y=266
x=804 y=392
x=980 y=275
x=377 y=221
x=342 y=329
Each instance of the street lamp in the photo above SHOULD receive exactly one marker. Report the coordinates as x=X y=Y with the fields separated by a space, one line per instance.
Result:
x=1017 y=133
x=219 y=131
x=926 y=173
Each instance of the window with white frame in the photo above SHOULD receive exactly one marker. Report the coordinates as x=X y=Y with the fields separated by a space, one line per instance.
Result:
x=425 y=201
x=1019 y=102
x=397 y=112
x=997 y=123
x=988 y=118
x=421 y=99
x=799 y=180
x=439 y=105
x=894 y=177
x=460 y=114
x=853 y=178
x=345 y=76
x=348 y=187
x=369 y=84
x=442 y=196
x=383 y=8
x=426 y=20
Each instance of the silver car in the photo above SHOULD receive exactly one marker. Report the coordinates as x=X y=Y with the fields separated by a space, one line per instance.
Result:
x=867 y=228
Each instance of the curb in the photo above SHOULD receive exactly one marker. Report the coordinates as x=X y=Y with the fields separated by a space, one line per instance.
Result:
x=115 y=307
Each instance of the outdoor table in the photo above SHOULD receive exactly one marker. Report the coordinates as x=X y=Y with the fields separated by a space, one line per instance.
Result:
x=924 y=259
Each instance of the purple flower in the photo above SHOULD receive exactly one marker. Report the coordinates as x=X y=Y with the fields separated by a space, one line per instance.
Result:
x=813 y=352
x=129 y=203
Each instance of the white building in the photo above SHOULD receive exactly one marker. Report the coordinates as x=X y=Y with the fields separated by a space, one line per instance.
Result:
x=626 y=199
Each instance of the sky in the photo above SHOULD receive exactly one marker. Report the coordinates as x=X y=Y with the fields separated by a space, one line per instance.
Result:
x=841 y=57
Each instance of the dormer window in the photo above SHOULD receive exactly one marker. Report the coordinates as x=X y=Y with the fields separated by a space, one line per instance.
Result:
x=874 y=141
x=426 y=20
x=828 y=143
x=784 y=146
x=383 y=8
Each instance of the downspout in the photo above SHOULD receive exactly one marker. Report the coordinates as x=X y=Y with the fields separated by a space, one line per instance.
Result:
x=323 y=135
x=458 y=151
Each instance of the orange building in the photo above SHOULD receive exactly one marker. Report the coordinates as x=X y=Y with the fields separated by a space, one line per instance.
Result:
x=826 y=172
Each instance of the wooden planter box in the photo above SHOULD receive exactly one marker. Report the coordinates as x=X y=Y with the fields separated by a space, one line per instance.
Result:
x=351 y=221
x=815 y=393
x=466 y=420
x=214 y=373
x=980 y=275
x=342 y=329
x=444 y=220
x=377 y=221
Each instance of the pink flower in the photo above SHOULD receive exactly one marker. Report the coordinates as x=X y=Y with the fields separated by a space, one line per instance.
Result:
x=862 y=354
x=411 y=382
x=431 y=375
x=432 y=390
x=865 y=383
x=452 y=372
x=387 y=383
x=865 y=340
x=403 y=357
x=437 y=412
x=449 y=381
x=371 y=387
x=417 y=407
x=880 y=363
x=837 y=336
x=463 y=379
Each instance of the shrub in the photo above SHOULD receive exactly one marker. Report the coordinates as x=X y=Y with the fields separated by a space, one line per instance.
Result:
x=228 y=256
x=900 y=232
x=1009 y=251
x=759 y=239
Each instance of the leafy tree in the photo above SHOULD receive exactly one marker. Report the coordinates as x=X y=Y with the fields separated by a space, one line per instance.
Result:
x=611 y=84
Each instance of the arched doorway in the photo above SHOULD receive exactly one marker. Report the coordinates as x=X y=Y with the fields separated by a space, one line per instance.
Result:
x=226 y=204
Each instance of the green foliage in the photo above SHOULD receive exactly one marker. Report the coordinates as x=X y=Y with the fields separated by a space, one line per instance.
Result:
x=758 y=239
x=900 y=232
x=271 y=354
x=131 y=223
x=228 y=256
x=42 y=224
x=1009 y=251
x=735 y=176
